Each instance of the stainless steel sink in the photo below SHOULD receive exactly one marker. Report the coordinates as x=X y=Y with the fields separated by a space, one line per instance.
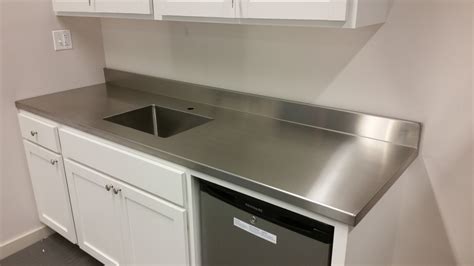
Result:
x=159 y=121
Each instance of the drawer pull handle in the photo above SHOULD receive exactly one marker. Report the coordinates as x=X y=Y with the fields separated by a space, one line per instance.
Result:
x=108 y=187
x=117 y=190
x=53 y=162
x=34 y=133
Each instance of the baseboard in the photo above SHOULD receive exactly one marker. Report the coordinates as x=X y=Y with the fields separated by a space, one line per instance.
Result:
x=18 y=243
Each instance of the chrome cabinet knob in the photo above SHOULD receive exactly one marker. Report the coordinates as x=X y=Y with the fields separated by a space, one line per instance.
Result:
x=253 y=220
x=117 y=190
x=108 y=187
x=34 y=133
x=53 y=162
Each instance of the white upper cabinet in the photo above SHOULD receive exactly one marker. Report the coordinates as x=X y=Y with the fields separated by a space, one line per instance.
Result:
x=330 y=10
x=124 y=6
x=327 y=13
x=195 y=8
x=73 y=5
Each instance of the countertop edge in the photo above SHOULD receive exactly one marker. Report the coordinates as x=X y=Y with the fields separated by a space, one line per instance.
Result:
x=375 y=199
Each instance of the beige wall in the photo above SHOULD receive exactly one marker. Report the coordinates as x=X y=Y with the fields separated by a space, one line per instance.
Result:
x=31 y=67
x=472 y=123
x=2 y=103
x=417 y=66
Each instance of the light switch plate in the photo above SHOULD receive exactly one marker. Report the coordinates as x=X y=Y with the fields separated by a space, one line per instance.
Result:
x=62 y=40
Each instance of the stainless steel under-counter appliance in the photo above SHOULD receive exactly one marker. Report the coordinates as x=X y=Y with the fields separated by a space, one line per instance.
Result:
x=240 y=230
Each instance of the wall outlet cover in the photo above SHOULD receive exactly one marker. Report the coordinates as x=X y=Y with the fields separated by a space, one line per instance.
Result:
x=62 y=40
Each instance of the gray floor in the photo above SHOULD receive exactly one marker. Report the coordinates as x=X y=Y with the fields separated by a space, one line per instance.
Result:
x=54 y=250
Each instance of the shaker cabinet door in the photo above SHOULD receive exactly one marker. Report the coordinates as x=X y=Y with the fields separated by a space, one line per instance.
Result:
x=50 y=189
x=196 y=8
x=95 y=213
x=142 y=7
x=154 y=230
x=330 y=10
x=73 y=5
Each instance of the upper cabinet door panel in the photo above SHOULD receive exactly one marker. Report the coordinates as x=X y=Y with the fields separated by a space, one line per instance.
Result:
x=196 y=8
x=73 y=5
x=330 y=10
x=143 y=7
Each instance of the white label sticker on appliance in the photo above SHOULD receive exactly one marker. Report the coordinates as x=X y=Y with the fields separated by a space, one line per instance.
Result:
x=255 y=231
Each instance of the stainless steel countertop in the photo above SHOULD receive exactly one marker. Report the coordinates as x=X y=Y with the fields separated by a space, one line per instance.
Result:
x=337 y=174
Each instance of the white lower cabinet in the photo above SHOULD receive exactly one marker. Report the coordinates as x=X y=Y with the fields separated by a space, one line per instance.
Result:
x=50 y=189
x=121 y=225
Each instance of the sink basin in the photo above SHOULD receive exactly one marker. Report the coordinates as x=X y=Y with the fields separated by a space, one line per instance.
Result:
x=159 y=121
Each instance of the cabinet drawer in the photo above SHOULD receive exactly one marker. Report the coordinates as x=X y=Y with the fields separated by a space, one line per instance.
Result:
x=39 y=130
x=140 y=170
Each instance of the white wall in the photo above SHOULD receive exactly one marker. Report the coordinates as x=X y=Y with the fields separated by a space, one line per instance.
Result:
x=30 y=67
x=417 y=66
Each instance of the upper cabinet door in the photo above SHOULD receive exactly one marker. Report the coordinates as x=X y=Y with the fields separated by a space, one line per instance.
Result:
x=50 y=189
x=142 y=7
x=73 y=5
x=196 y=8
x=330 y=10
